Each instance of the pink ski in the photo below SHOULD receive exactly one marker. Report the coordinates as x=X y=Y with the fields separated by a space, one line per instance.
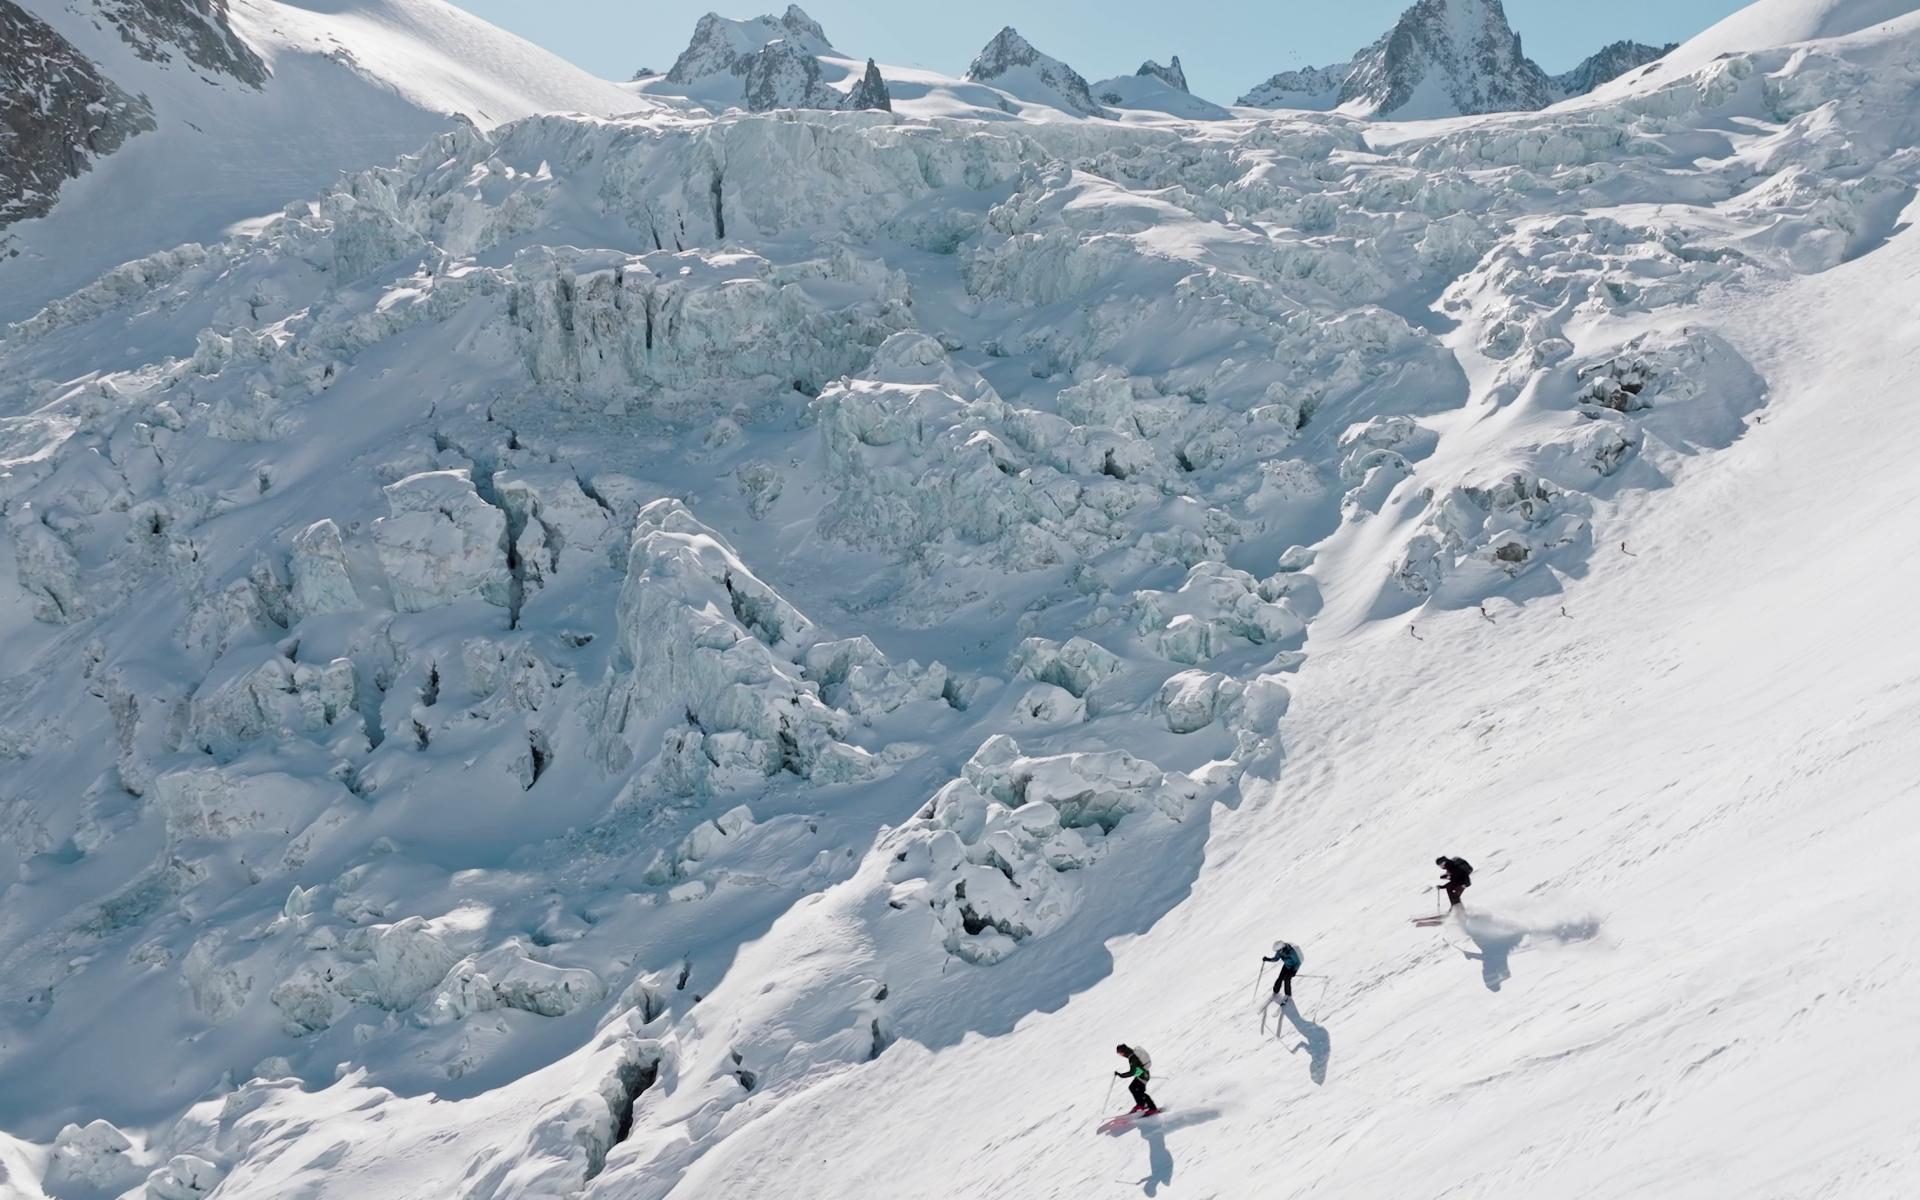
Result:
x=1126 y=1119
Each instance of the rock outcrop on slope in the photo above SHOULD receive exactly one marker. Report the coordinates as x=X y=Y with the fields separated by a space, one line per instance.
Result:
x=1312 y=88
x=1445 y=58
x=58 y=113
x=783 y=75
x=1171 y=74
x=1011 y=63
x=1608 y=64
x=1157 y=88
x=200 y=30
x=871 y=91
x=59 y=110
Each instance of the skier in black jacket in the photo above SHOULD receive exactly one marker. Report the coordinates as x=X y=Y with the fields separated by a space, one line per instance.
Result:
x=1136 y=1076
x=1459 y=877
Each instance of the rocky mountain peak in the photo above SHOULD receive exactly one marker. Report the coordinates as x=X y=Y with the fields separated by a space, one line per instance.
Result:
x=1445 y=57
x=1171 y=74
x=724 y=46
x=1009 y=53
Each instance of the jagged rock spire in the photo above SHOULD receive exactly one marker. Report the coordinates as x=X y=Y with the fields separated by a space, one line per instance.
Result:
x=1171 y=74
x=871 y=91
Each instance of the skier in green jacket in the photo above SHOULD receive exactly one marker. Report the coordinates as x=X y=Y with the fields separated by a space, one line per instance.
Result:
x=1136 y=1076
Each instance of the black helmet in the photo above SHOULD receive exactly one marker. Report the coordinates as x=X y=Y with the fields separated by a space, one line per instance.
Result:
x=1441 y=861
x=1122 y=1049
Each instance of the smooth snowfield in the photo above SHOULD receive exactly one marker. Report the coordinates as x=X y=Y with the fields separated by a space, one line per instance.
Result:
x=682 y=655
x=1761 y=25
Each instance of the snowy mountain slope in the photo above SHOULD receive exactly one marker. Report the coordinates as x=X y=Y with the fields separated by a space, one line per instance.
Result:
x=57 y=114
x=1681 y=977
x=1158 y=89
x=1013 y=65
x=349 y=86
x=1771 y=23
x=552 y=666
x=1444 y=58
x=767 y=63
x=1310 y=89
x=721 y=46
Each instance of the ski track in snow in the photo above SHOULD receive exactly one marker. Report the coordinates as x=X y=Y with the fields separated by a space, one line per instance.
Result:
x=670 y=656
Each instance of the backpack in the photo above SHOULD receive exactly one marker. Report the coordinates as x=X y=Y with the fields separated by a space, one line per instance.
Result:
x=1463 y=868
x=1146 y=1060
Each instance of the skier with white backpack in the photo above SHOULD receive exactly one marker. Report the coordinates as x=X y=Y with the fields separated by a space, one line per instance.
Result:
x=1291 y=960
x=1139 y=1070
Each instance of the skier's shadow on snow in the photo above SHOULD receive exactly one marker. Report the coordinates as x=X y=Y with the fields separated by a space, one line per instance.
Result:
x=1318 y=1041
x=1496 y=939
x=1154 y=1130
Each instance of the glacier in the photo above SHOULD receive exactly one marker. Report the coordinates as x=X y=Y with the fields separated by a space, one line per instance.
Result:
x=662 y=651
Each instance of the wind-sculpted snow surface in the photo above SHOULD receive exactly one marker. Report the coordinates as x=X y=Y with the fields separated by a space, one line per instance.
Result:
x=609 y=633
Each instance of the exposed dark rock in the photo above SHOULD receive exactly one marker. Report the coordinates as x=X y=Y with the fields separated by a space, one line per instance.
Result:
x=871 y=91
x=58 y=114
x=199 y=29
x=1171 y=74
x=1610 y=63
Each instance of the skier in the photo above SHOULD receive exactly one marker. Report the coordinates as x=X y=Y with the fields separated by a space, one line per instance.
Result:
x=1459 y=877
x=1136 y=1075
x=1290 y=959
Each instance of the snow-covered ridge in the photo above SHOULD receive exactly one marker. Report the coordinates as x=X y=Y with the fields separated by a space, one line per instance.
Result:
x=622 y=634
x=1445 y=58
x=1011 y=63
x=232 y=111
x=721 y=46
x=1608 y=63
x=786 y=61
x=1171 y=74
x=767 y=63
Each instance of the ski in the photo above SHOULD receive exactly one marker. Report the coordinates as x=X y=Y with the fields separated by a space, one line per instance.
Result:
x=1429 y=921
x=1127 y=1118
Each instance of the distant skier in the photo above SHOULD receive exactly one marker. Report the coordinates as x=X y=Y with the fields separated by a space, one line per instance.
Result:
x=1458 y=878
x=1289 y=957
x=1136 y=1075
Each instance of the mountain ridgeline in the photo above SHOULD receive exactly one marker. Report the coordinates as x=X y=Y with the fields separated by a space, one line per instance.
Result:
x=1441 y=58
x=1446 y=58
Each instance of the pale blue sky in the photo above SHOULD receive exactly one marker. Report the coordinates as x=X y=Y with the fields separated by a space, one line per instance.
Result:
x=1226 y=46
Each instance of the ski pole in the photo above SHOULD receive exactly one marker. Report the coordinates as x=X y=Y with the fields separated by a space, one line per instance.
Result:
x=1108 y=1098
x=1258 y=971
